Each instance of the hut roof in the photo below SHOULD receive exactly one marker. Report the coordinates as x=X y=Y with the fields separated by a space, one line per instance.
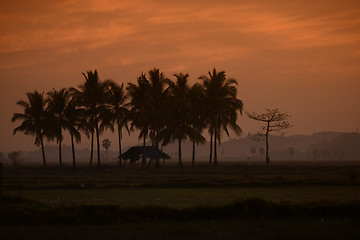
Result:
x=147 y=151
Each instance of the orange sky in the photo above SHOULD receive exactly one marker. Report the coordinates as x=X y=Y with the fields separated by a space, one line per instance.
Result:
x=302 y=57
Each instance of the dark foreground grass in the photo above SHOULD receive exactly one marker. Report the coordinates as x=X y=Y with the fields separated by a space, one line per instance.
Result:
x=199 y=230
x=228 y=175
x=249 y=219
x=21 y=211
x=235 y=201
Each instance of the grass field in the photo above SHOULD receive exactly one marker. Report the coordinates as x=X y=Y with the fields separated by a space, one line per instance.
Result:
x=288 y=200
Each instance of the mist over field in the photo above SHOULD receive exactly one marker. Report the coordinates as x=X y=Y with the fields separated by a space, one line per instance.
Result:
x=323 y=146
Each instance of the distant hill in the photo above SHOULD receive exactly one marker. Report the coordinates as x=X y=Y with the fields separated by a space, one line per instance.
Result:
x=343 y=147
x=239 y=149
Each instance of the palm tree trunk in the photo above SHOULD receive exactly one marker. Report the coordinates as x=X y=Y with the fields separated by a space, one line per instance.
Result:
x=98 y=144
x=143 y=160
x=60 y=157
x=1 y=179
x=193 y=155
x=42 y=150
x=215 y=152
x=180 y=161
x=106 y=151
x=157 y=146
x=211 y=143
x=73 y=150
x=92 y=147
x=267 y=145
x=119 y=135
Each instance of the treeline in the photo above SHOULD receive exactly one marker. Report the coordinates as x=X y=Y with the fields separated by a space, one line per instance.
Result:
x=164 y=110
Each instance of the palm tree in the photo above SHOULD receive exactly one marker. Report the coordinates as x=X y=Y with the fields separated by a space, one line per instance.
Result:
x=158 y=97
x=140 y=106
x=106 y=145
x=57 y=104
x=140 y=114
x=147 y=106
x=147 y=103
x=118 y=113
x=197 y=118
x=177 y=125
x=223 y=105
x=92 y=97
x=35 y=119
x=74 y=121
x=157 y=81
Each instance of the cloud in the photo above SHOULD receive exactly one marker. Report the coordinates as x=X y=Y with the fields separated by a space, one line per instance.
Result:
x=95 y=24
x=132 y=32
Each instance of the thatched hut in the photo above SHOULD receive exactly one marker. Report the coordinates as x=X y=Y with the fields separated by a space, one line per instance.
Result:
x=135 y=153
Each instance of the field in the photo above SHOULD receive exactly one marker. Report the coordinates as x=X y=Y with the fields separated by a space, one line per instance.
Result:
x=236 y=200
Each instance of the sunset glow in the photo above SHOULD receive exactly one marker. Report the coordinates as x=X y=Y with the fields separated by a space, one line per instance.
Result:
x=302 y=57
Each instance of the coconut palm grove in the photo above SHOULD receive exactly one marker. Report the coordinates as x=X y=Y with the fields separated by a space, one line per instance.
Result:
x=164 y=110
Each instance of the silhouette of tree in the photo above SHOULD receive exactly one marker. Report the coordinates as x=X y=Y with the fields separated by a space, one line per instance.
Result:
x=157 y=94
x=291 y=152
x=140 y=113
x=57 y=103
x=15 y=158
x=92 y=97
x=222 y=107
x=326 y=154
x=75 y=121
x=315 y=153
x=262 y=151
x=197 y=116
x=253 y=151
x=118 y=113
x=148 y=105
x=177 y=118
x=106 y=145
x=275 y=122
x=35 y=119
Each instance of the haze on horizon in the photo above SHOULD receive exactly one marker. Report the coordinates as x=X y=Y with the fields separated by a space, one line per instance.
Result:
x=302 y=57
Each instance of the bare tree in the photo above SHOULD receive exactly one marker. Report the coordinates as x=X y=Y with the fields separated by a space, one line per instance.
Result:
x=275 y=122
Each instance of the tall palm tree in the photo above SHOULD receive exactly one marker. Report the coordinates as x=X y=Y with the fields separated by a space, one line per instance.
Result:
x=223 y=106
x=147 y=105
x=140 y=106
x=140 y=114
x=158 y=97
x=178 y=117
x=118 y=113
x=35 y=119
x=177 y=126
x=57 y=104
x=197 y=116
x=74 y=117
x=157 y=82
x=92 y=97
